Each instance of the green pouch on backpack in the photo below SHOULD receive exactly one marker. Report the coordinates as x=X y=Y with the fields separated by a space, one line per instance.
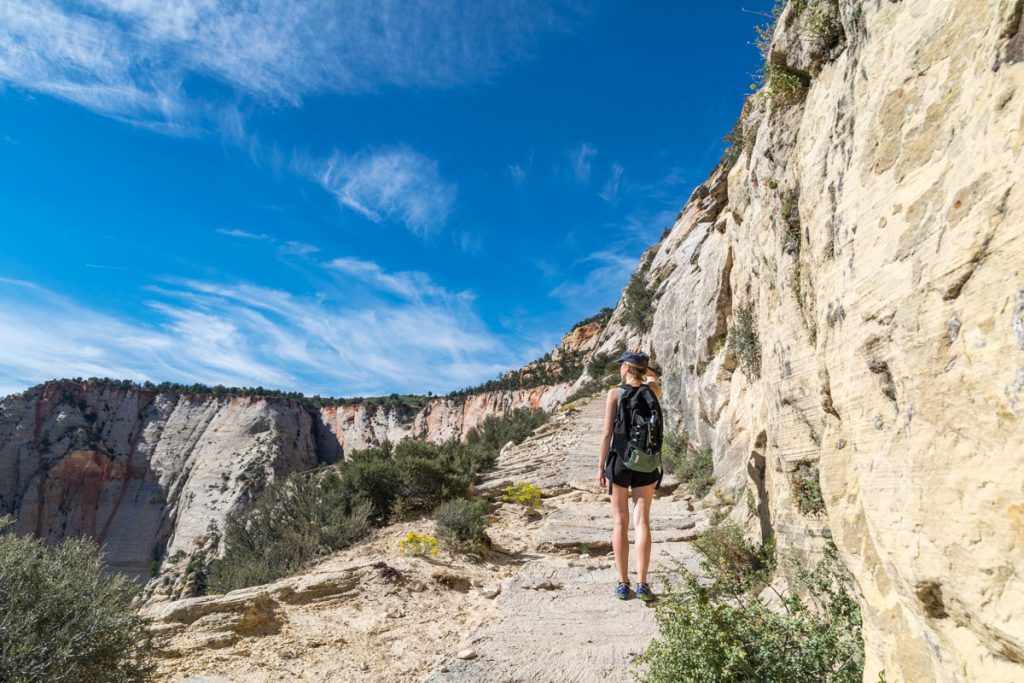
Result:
x=640 y=460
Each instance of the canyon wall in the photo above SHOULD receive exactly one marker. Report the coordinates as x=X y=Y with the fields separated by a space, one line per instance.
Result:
x=153 y=475
x=842 y=305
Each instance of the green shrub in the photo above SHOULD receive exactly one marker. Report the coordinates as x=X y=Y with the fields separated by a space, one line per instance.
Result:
x=461 y=523
x=694 y=468
x=63 y=619
x=744 y=341
x=736 y=563
x=713 y=630
x=736 y=143
x=491 y=435
x=290 y=523
x=425 y=482
x=639 y=300
x=368 y=478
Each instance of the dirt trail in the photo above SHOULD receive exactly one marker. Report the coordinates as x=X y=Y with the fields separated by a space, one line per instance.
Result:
x=558 y=620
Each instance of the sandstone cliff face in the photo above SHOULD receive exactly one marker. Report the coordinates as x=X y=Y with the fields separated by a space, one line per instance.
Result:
x=139 y=471
x=874 y=227
x=153 y=475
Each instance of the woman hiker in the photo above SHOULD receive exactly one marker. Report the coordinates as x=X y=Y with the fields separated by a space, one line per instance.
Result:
x=611 y=472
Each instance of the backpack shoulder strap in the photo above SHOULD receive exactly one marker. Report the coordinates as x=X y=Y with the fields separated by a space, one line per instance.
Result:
x=621 y=412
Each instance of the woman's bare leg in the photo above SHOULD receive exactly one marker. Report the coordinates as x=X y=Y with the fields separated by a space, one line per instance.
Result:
x=620 y=530
x=642 y=497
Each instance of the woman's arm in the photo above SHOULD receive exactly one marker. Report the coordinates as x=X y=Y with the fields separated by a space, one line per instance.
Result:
x=652 y=382
x=610 y=405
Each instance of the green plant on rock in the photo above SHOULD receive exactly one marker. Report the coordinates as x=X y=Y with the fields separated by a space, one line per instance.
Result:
x=638 y=300
x=751 y=501
x=744 y=341
x=737 y=564
x=807 y=491
x=63 y=619
x=766 y=31
x=523 y=493
x=462 y=524
x=695 y=468
x=821 y=21
x=782 y=84
x=789 y=212
x=736 y=142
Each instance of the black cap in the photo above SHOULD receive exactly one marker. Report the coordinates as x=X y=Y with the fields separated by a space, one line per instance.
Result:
x=635 y=358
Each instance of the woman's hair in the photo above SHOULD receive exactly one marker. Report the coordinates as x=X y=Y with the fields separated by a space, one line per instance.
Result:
x=637 y=371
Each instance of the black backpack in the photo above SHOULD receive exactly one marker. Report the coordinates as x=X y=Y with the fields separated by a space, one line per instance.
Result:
x=639 y=425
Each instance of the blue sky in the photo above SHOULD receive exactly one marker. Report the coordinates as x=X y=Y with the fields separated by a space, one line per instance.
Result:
x=341 y=198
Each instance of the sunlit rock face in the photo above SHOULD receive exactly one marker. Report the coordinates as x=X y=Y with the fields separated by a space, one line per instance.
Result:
x=873 y=223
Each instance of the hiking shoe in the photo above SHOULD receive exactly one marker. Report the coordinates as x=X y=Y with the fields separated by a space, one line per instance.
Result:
x=623 y=592
x=644 y=592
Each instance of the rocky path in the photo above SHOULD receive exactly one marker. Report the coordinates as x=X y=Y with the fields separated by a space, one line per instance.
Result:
x=557 y=618
x=538 y=608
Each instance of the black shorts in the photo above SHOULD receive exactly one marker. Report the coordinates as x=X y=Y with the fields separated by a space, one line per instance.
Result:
x=617 y=473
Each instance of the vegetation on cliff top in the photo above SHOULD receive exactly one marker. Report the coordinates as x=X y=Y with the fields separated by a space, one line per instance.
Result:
x=568 y=368
x=63 y=619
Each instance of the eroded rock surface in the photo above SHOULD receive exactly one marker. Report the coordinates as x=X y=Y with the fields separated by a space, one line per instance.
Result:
x=873 y=224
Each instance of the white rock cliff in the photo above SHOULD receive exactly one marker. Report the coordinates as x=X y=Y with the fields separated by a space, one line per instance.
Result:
x=873 y=225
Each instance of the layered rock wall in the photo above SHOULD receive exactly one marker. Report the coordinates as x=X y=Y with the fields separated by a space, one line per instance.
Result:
x=873 y=226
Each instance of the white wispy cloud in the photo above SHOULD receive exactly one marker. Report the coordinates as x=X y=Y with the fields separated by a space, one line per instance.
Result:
x=470 y=242
x=409 y=285
x=407 y=334
x=235 y=232
x=603 y=282
x=610 y=193
x=580 y=158
x=293 y=248
x=130 y=58
x=518 y=173
x=396 y=184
